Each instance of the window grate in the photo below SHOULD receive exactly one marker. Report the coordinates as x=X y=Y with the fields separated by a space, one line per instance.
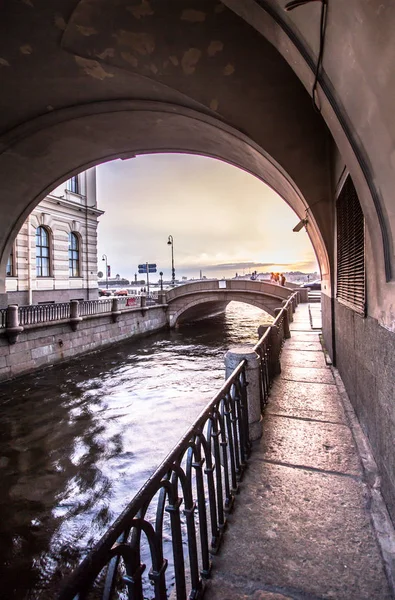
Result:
x=351 y=286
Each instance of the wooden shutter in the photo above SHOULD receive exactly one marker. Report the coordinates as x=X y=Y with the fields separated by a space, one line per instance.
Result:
x=350 y=249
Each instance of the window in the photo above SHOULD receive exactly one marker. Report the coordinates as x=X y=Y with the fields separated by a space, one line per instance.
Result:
x=72 y=185
x=42 y=252
x=10 y=265
x=74 y=256
x=350 y=249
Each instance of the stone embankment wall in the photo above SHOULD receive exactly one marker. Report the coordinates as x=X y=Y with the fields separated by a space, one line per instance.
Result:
x=39 y=346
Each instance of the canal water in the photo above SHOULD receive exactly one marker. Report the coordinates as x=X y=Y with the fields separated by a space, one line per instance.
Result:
x=77 y=441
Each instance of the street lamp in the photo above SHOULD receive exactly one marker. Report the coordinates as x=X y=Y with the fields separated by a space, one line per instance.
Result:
x=104 y=257
x=170 y=242
x=161 y=280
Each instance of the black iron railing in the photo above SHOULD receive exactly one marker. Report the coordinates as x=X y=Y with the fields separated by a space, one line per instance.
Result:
x=187 y=498
x=179 y=515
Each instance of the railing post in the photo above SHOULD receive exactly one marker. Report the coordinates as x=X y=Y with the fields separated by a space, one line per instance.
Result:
x=74 y=314
x=303 y=295
x=115 y=312
x=289 y=310
x=275 y=351
x=232 y=358
x=287 y=333
x=13 y=329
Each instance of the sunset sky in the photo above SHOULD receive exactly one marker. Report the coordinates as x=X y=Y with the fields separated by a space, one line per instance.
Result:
x=222 y=219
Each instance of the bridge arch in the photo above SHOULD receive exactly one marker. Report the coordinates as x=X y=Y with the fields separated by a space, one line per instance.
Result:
x=203 y=298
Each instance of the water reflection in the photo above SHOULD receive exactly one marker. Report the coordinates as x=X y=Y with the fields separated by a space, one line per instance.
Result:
x=77 y=441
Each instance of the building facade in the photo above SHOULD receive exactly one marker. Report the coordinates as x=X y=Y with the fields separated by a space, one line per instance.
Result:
x=54 y=256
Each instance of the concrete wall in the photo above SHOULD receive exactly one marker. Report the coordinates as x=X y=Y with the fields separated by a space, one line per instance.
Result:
x=42 y=346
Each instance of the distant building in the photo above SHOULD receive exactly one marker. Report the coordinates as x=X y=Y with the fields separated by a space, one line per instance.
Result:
x=54 y=256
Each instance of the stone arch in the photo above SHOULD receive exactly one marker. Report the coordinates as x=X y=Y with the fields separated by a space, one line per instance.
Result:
x=122 y=130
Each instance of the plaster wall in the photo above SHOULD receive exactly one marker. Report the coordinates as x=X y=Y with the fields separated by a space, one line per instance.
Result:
x=39 y=347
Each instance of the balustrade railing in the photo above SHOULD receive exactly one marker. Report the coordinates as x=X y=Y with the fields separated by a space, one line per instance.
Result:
x=176 y=521
x=46 y=313
x=94 y=307
x=43 y=313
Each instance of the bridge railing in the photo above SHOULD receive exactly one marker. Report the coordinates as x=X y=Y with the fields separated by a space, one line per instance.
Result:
x=40 y=314
x=176 y=520
x=43 y=313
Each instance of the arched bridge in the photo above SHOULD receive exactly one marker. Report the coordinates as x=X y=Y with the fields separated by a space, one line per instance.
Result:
x=202 y=298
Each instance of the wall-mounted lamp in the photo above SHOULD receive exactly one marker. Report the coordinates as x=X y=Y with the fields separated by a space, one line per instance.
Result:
x=300 y=225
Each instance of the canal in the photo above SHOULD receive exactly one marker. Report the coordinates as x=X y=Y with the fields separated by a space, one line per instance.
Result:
x=77 y=441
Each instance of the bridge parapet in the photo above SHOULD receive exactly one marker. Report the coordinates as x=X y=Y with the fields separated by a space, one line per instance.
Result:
x=236 y=285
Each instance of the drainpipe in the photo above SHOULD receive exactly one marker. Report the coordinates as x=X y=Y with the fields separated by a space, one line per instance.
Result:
x=29 y=262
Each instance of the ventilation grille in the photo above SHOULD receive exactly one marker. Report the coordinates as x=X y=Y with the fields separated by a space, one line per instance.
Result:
x=350 y=249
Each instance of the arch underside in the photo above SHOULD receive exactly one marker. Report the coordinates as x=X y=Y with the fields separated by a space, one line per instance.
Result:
x=129 y=78
x=123 y=130
x=192 y=308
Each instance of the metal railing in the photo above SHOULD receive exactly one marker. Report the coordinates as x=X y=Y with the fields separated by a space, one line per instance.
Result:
x=43 y=313
x=187 y=498
x=179 y=515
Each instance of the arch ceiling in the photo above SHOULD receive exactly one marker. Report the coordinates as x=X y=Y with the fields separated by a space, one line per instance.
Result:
x=106 y=80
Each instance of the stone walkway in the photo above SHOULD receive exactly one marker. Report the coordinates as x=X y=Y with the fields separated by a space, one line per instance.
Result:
x=302 y=525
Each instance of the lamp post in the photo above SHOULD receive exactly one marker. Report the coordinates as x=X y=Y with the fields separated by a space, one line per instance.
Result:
x=104 y=257
x=161 y=281
x=170 y=242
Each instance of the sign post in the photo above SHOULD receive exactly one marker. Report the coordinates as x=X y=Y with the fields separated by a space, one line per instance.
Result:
x=147 y=268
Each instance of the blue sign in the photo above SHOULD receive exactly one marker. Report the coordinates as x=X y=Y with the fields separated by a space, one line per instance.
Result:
x=147 y=268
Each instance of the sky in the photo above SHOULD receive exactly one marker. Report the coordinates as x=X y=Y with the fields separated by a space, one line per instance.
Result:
x=223 y=220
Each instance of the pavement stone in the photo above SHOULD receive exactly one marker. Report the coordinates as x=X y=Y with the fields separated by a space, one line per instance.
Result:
x=304 y=336
x=302 y=358
x=311 y=374
x=312 y=444
x=306 y=400
x=303 y=345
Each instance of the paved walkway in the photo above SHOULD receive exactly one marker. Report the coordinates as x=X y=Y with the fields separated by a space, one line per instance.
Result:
x=302 y=526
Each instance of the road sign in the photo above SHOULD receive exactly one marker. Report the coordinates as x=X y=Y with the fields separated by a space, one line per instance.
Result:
x=147 y=268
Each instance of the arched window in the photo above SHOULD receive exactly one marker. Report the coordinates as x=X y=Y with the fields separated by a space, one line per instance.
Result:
x=42 y=252
x=74 y=255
